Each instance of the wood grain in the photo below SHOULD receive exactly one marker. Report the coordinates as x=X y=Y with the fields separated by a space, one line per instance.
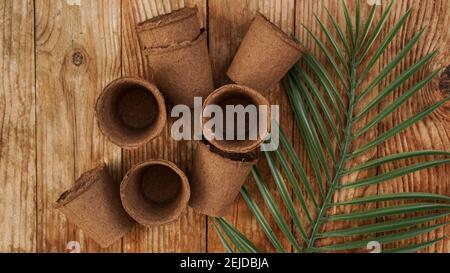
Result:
x=56 y=56
x=434 y=131
x=228 y=23
x=77 y=54
x=17 y=128
x=189 y=233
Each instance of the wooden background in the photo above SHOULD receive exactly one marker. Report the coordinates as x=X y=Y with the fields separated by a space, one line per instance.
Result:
x=57 y=55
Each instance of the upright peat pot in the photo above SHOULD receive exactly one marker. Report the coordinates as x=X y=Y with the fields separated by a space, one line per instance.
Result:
x=264 y=57
x=131 y=112
x=155 y=193
x=182 y=70
x=93 y=204
x=176 y=51
x=175 y=27
x=247 y=131
x=217 y=179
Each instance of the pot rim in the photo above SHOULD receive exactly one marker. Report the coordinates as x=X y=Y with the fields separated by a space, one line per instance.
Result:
x=167 y=19
x=153 y=89
x=278 y=32
x=82 y=185
x=186 y=192
x=252 y=94
x=208 y=146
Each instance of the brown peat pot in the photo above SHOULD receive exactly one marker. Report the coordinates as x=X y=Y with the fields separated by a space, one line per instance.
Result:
x=182 y=70
x=264 y=57
x=131 y=112
x=237 y=95
x=93 y=204
x=175 y=27
x=155 y=193
x=217 y=179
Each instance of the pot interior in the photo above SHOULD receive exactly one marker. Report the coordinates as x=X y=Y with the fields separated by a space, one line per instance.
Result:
x=154 y=194
x=241 y=118
x=129 y=112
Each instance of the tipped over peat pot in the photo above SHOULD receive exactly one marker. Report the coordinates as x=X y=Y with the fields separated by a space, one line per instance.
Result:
x=235 y=95
x=182 y=70
x=155 y=193
x=93 y=204
x=217 y=179
x=265 y=55
x=175 y=27
x=131 y=112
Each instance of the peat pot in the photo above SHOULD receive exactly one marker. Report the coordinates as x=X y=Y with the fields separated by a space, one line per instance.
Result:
x=264 y=57
x=217 y=179
x=93 y=204
x=131 y=112
x=155 y=193
x=243 y=134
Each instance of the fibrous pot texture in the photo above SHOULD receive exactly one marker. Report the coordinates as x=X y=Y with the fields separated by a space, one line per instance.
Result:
x=175 y=27
x=131 y=112
x=155 y=192
x=93 y=204
x=217 y=179
x=182 y=70
x=264 y=57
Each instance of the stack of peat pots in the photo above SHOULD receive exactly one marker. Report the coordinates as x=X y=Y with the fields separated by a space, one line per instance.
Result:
x=222 y=167
x=133 y=111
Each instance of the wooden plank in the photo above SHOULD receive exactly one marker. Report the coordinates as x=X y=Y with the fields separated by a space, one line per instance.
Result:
x=189 y=233
x=17 y=128
x=434 y=131
x=228 y=24
x=78 y=51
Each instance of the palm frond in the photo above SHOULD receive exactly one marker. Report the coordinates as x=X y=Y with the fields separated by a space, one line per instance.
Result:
x=242 y=244
x=385 y=239
x=383 y=226
x=415 y=247
x=262 y=221
x=324 y=98
x=395 y=197
x=275 y=210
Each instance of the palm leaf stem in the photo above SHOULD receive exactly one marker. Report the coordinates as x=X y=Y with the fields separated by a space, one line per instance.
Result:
x=341 y=166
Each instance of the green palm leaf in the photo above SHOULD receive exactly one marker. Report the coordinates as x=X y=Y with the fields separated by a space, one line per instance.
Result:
x=241 y=243
x=388 y=69
x=383 y=226
x=382 y=212
x=415 y=247
x=402 y=126
x=395 y=197
x=381 y=239
x=275 y=210
x=375 y=33
x=384 y=45
x=222 y=237
x=262 y=221
x=324 y=98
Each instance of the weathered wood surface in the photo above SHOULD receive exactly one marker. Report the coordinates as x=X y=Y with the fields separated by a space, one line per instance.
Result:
x=78 y=52
x=433 y=132
x=56 y=56
x=17 y=127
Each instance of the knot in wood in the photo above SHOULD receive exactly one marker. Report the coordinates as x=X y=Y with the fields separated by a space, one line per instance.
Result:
x=444 y=84
x=77 y=58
